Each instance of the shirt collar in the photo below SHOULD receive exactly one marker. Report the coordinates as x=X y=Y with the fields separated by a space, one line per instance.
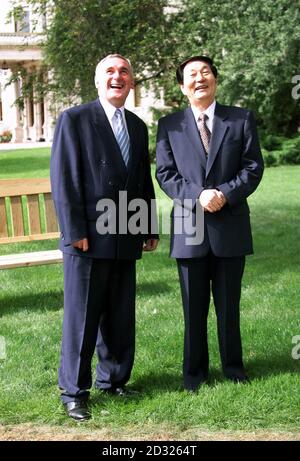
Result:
x=210 y=111
x=109 y=109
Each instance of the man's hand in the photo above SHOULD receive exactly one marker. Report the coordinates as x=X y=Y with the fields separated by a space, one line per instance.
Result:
x=212 y=200
x=81 y=244
x=150 y=245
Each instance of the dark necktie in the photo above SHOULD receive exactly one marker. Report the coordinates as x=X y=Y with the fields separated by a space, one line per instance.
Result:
x=121 y=135
x=204 y=131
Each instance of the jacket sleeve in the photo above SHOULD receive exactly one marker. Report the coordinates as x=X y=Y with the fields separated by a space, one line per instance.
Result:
x=170 y=180
x=149 y=194
x=252 y=166
x=66 y=180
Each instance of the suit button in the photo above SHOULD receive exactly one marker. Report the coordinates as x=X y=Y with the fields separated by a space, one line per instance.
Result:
x=110 y=183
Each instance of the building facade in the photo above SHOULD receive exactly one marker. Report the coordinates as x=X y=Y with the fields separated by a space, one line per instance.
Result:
x=20 y=47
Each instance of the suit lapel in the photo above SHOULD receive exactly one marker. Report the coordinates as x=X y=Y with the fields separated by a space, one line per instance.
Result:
x=105 y=132
x=220 y=127
x=134 y=151
x=131 y=127
x=191 y=130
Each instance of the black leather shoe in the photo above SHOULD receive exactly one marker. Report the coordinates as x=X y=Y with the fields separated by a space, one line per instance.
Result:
x=77 y=410
x=239 y=379
x=120 y=391
x=195 y=389
x=192 y=391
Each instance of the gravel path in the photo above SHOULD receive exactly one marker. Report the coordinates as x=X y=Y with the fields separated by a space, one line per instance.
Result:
x=29 y=432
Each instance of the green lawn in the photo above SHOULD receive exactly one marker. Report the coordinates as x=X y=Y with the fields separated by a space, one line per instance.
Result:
x=31 y=315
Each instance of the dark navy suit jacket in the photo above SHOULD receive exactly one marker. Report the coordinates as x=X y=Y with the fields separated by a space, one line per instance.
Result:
x=86 y=166
x=234 y=166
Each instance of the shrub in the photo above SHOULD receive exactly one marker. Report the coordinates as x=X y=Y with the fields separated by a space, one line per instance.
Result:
x=290 y=152
x=5 y=136
x=270 y=158
x=271 y=142
x=286 y=153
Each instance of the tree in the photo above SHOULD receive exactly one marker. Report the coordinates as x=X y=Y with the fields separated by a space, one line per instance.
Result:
x=80 y=33
x=256 y=46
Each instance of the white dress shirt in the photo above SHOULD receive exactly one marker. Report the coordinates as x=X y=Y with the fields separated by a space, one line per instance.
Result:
x=110 y=110
x=210 y=112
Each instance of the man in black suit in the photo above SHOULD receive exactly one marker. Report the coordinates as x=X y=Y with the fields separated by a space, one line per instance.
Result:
x=100 y=156
x=209 y=160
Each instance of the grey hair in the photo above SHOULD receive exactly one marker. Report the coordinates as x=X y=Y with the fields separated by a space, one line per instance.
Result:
x=116 y=55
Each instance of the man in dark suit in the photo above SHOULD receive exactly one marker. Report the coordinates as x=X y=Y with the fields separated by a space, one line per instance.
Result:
x=99 y=155
x=208 y=157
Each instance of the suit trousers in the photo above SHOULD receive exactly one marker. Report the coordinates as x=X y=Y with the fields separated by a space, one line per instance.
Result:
x=198 y=277
x=99 y=311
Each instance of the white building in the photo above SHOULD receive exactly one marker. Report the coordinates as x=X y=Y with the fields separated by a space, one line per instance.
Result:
x=20 y=46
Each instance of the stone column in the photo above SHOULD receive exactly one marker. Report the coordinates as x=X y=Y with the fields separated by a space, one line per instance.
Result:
x=26 y=132
x=18 y=130
x=37 y=126
x=50 y=113
x=9 y=112
x=49 y=123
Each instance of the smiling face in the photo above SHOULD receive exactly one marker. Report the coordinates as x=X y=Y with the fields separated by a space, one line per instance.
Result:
x=114 y=80
x=199 y=84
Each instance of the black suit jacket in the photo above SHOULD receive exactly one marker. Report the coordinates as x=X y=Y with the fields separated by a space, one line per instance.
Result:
x=86 y=166
x=234 y=166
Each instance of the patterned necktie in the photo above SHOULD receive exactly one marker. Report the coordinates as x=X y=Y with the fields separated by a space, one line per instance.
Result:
x=121 y=135
x=204 y=131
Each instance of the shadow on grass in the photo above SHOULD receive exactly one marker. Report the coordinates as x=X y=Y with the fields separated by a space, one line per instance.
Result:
x=144 y=387
x=149 y=288
x=272 y=365
x=39 y=302
x=53 y=300
x=257 y=369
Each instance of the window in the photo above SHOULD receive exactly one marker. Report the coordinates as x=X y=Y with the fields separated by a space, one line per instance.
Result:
x=44 y=22
x=22 y=23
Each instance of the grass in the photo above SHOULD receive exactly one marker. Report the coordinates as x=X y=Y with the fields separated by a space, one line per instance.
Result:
x=25 y=163
x=31 y=302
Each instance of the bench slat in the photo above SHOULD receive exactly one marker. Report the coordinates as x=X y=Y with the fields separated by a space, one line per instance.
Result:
x=34 y=214
x=3 y=220
x=51 y=221
x=17 y=216
x=30 y=238
x=16 y=187
x=30 y=259
x=23 y=196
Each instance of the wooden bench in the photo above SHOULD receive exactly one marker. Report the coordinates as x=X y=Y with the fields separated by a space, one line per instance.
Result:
x=27 y=214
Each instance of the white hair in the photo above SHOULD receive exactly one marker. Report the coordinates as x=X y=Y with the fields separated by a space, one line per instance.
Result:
x=109 y=56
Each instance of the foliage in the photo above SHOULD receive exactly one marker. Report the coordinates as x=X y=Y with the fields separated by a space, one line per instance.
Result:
x=278 y=150
x=82 y=32
x=254 y=44
x=5 y=136
x=30 y=80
